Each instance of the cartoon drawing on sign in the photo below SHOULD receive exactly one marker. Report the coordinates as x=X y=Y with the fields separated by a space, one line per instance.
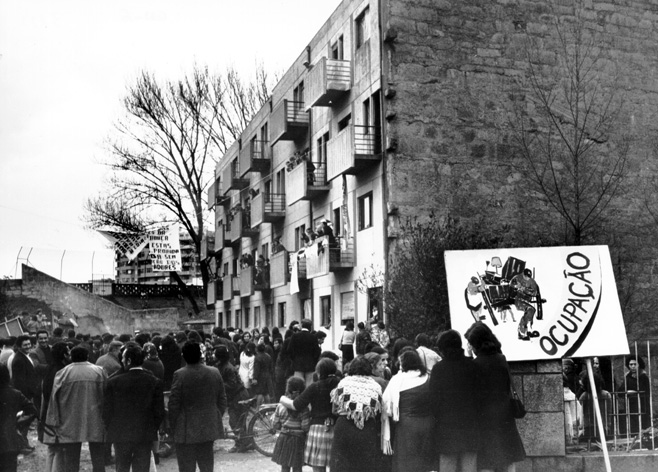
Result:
x=514 y=287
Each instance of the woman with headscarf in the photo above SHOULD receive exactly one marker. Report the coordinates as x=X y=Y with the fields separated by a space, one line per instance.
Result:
x=500 y=445
x=453 y=390
x=358 y=402
x=407 y=401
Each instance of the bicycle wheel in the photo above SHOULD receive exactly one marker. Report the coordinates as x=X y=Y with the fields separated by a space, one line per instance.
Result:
x=260 y=428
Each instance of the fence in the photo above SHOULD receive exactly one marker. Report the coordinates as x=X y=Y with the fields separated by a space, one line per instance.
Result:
x=625 y=391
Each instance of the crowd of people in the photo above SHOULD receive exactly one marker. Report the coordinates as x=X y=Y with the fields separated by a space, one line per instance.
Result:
x=381 y=405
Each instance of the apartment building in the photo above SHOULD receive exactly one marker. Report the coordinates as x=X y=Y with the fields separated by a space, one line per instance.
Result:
x=313 y=154
x=393 y=111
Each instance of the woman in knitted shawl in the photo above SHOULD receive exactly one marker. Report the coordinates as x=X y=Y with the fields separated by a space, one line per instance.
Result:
x=358 y=401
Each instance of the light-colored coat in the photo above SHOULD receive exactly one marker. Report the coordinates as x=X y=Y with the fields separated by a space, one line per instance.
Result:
x=76 y=404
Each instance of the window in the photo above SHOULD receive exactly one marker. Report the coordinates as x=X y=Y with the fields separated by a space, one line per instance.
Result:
x=366 y=115
x=265 y=250
x=267 y=191
x=238 y=318
x=257 y=319
x=337 y=49
x=268 y=316
x=247 y=314
x=298 y=95
x=282 y=314
x=299 y=232
x=362 y=28
x=235 y=168
x=325 y=310
x=322 y=150
x=281 y=181
x=264 y=137
x=225 y=269
x=338 y=223
x=228 y=319
x=365 y=211
x=344 y=123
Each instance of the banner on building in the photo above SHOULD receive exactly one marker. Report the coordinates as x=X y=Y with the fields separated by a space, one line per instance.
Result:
x=344 y=209
x=164 y=249
x=541 y=303
x=128 y=244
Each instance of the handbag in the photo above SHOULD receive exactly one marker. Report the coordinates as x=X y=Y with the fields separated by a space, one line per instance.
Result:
x=517 y=408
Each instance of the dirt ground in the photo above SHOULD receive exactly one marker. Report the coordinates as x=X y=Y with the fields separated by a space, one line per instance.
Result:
x=224 y=461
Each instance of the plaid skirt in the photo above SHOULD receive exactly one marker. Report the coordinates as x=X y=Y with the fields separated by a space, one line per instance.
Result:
x=289 y=450
x=318 y=445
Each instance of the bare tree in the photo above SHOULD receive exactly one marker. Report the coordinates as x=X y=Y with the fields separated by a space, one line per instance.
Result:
x=164 y=151
x=567 y=126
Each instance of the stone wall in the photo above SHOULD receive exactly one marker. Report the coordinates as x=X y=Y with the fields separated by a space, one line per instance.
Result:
x=94 y=314
x=448 y=66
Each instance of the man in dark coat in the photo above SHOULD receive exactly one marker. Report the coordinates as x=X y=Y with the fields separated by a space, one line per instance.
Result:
x=196 y=407
x=133 y=409
x=304 y=352
x=24 y=377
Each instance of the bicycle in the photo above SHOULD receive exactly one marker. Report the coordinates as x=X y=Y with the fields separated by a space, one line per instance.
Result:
x=259 y=421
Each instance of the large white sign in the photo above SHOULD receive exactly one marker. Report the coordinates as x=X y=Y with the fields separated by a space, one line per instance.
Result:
x=164 y=249
x=541 y=303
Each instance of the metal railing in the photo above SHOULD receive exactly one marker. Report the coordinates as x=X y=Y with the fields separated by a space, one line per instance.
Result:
x=625 y=400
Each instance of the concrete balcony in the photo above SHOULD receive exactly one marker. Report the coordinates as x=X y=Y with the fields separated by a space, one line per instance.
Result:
x=327 y=81
x=239 y=226
x=353 y=149
x=289 y=122
x=232 y=180
x=230 y=287
x=255 y=157
x=254 y=279
x=321 y=258
x=307 y=181
x=267 y=208
x=279 y=269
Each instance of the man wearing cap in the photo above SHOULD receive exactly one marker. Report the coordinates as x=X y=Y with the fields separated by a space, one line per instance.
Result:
x=526 y=289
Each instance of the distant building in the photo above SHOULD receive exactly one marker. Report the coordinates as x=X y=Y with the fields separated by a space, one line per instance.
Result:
x=139 y=270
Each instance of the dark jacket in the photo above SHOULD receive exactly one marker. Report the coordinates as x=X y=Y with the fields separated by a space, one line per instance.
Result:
x=24 y=376
x=197 y=404
x=304 y=351
x=12 y=401
x=453 y=386
x=133 y=407
x=263 y=375
x=500 y=440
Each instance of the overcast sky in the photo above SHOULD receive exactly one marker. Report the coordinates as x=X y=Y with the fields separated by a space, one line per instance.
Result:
x=64 y=68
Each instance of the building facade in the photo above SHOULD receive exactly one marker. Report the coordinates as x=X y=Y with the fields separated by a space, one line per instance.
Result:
x=393 y=111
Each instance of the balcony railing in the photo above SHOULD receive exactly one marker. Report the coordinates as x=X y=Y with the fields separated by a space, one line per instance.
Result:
x=327 y=81
x=233 y=180
x=306 y=181
x=239 y=225
x=289 y=121
x=323 y=257
x=352 y=150
x=231 y=287
x=255 y=157
x=267 y=208
x=279 y=270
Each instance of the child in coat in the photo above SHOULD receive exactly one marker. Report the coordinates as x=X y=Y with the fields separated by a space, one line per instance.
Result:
x=289 y=448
